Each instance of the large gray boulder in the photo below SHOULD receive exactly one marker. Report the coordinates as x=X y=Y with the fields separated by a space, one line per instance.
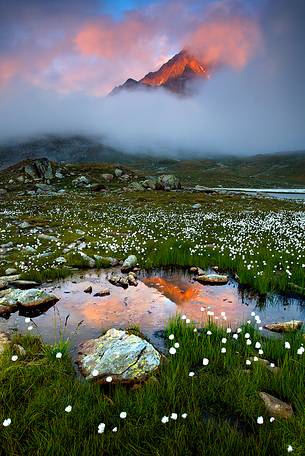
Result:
x=126 y=358
x=39 y=169
x=81 y=181
x=31 y=298
x=168 y=182
x=130 y=263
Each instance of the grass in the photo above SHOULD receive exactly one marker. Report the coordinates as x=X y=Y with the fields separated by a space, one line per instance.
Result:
x=221 y=401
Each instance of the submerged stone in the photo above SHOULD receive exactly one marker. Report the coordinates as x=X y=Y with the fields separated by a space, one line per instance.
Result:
x=275 y=406
x=126 y=358
x=287 y=326
x=216 y=279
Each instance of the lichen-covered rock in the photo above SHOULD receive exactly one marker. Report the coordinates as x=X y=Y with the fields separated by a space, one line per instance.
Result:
x=130 y=262
x=136 y=187
x=81 y=181
x=31 y=298
x=212 y=279
x=39 y=169
x=118 y=172
x=168 y=182
x=275 y=406
x=287 y=326
x=107 y=177
x=126 y=358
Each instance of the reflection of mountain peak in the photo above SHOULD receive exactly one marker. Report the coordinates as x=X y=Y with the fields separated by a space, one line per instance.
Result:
x=174 y=75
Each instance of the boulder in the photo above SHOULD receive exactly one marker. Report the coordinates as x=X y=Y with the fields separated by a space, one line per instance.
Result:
x=130 y=262
x=12 y=298
x=81 y=181
x=136 y=187
x=150 y=183
x=168 y=182
x=132 y=279
x=118 y=172
x=10 y=271
x=276 y=407
x=126 y=358
x=287 y=326
x=212 y=279
x=118 y=280
x=103 y=292
x=39 y=169
x=107 y=177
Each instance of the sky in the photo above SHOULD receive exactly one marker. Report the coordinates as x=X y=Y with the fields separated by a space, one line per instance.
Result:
x=59 y=58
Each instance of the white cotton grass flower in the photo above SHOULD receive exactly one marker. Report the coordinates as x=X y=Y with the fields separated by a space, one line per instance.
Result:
x=14 y=358
x=174 y=416
x=249 y=342
x=191 y=374
x=27 y=320
x=229 y=330
x=171 y=337
x=300 y=351
x=235 y=336
x=289 y=449
x=223 y=340
x=7 y=422
x=252 y=314
x=101 y=428
x=165 y=419
x=187 y=321
x=287 y=345
x=184 y=415
x=205 y=361
x=202 y=309
x=183 y=317
x=172 y=351
x=247 y=336
x=272 y=365
x=58 y=355
x=176 y=345
x=68 y=408
x=257 y=345
x=223 y=314
x=272 y=419
x=109 y=379
x=195 y=330
x=238 y=330
x=248 y=362
x=94 y=373
x=209 y=333
x=123 y=415
x=260 y=352
x=260 y=328
x=260 y=420
x=255 y=358
x=30 y=328
x=115 y=429
x=223 y=350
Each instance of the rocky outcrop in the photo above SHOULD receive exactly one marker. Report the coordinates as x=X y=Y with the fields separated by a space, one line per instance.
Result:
x=39 y=169
x=168 y=182
x=276 y=407
x=118 y=357
x=287 y=326
x=212 y=279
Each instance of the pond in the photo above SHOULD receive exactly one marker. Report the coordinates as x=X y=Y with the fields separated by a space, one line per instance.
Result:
x=159 y=295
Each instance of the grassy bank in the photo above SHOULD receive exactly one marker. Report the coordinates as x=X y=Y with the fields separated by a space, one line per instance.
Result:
x=221 y=400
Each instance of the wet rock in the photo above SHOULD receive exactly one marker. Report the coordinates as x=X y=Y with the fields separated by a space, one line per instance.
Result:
x=276 y=407
x=103 y=292
x=168 y=182
x=81 y=181
x=124 y=357
x=88 y=289
x=5 y=342
x=26 y=298
x=212 y=279
x=107 y=177
x=132 y=279
x=118 y=280
x=11 y=271
x=130 y=262
x=197 y=271
x=287 y=326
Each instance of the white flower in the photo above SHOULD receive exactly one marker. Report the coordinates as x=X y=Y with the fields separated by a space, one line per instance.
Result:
x=223 y=314
x=14 y=358
x=123 y=415
x=287 y=345
x=187 y=321
x=30 y=328
x=248 y=342
x=109 y=379
x=101 y=428
x=260 y=352
x=252 y=314
x=68 y=408
x=205 y=361
x=114 y=429
x=174 y=416
x=184 y=415
x=260 y=420
x=94 y=373
x=223 y=340
x=257 y=345
x=248 y=362
x=58 y=355
x=209 y=333
x=238 y=330
x=260 y=328
x=300 y=351
x=7 y=422
x=183 y=317
x=272 y=365
x=172 y=351
x=191 y=374
x=202 y=309
x=229 y=330
x=210 y=313
x=235 y=336
x=249 y=322
x=27 y=320
x=255 y=358
x=289 y=449
x=223 y=350
x=176 y=345
x=195 y=330
x=165 y=419
x=171 y=337
x=247 y=336
x=272 y=419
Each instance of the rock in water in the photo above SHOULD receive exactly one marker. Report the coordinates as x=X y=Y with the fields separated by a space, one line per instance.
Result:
x=287 y=326
x=124 y=357
x=118 y=280
x=130 y=262
x=102 y=292
x=31 y=298
x=212 y=279
x=88 y=289
x=276 y=407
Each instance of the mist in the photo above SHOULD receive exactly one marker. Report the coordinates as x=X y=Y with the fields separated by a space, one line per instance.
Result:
x=257 y=109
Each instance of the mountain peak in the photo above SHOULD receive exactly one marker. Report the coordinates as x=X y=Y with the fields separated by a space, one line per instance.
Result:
x=174 y=75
